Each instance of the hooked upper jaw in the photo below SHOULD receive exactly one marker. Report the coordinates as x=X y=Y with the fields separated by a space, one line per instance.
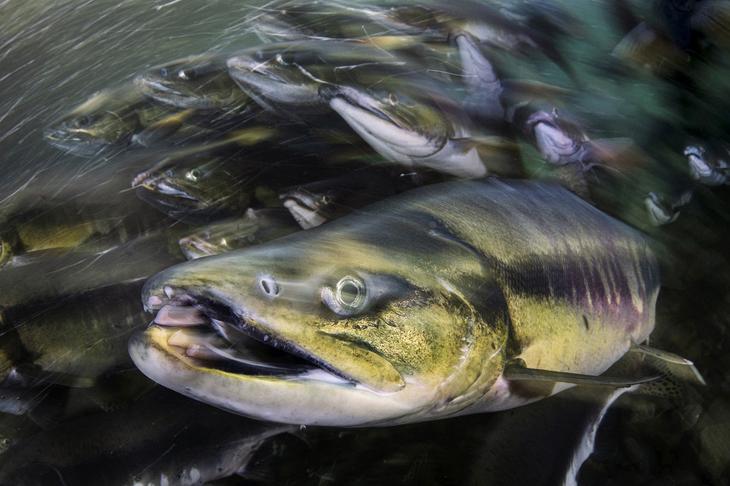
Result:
x=189 y=350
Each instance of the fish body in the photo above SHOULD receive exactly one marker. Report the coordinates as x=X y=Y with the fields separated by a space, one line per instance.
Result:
x=199 y=82
x=408 y=311
x=318 y=202
x=255 y=227
x=77 y=338
x=71 y=272
x=107 y=119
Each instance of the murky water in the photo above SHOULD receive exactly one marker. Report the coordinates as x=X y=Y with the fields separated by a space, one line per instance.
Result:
x=55 y=54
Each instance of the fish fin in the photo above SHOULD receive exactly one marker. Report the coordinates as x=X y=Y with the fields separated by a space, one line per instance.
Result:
x=517 y=372
x=668 y=363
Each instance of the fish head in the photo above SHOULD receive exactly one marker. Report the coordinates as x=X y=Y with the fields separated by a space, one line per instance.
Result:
x=386 y=321
x=556 y=143
x=277 y=78
x=399 y=127
x=199 y=82
x=106 y=119
x=193 y=186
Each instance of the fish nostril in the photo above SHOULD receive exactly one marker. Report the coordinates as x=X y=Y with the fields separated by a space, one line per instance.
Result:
x=269 y=286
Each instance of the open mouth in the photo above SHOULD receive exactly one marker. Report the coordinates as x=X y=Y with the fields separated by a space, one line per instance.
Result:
x=207 y=334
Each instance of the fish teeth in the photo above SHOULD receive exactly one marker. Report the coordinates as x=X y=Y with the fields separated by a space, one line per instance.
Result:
x=172 y=315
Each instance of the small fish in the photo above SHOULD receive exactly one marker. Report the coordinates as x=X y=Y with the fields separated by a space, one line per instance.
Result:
x=408 y=311
x=75 y=340
x=256 y=227
x=198 y=82
x=108 y=119
x=316 y=203
x=421 y=131
x=707 y=171
x=74 y=271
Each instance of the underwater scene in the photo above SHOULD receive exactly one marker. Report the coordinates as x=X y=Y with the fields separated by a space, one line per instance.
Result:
x=354 y=242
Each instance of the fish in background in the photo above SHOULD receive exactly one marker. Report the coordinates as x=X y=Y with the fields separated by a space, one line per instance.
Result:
x=255 y=227
x=158 y=439
x=705 y=169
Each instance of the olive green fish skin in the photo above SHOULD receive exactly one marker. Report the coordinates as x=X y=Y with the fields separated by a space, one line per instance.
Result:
x=417 y=305
x=198 y=82
x=256 y=227
x=83 y=336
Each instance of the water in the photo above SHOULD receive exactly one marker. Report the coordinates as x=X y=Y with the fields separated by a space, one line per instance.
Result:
x=53 y=55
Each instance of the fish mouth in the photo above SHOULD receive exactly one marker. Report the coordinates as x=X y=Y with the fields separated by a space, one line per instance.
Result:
x=396 y=137
x=211 y=346
x=208 y=335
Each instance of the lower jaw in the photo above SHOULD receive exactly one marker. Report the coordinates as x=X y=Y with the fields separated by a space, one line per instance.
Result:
x=294 y=399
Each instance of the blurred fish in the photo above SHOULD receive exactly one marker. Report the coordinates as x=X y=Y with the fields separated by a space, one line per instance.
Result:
x=123 y=117
x=74 y=340
x=705 y=170
x=71 y=272
x=285 y=78
x=161 y=439
x=318 y=202
x=497 y=28
x=662 y=212
x=108 y=119
x=291 y=20
x=374 y=309
x=416 y=130
x=254 y=228
x=563 y=142
x=67 y=224
x=200 y=82
x=200 y=187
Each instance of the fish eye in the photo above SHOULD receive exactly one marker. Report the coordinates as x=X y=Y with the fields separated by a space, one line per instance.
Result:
x=392 y=99
x=348 y=298
x=84 y=121
x=193 y=175
x=164 y=72
x=186 y=74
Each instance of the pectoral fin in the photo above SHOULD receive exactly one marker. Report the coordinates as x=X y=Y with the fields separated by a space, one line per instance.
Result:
x=517 y=372
x=670 y=364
